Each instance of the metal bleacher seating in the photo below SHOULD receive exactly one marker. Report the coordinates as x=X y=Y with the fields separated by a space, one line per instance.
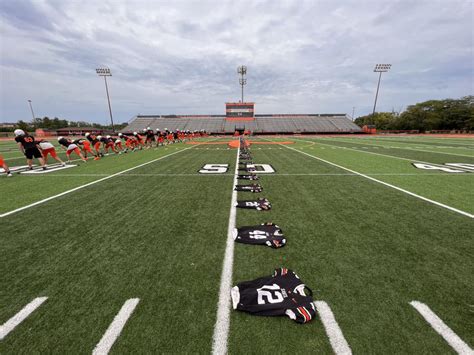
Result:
x=311 y=123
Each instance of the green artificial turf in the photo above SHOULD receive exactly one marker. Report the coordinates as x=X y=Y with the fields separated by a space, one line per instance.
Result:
x=158 y=232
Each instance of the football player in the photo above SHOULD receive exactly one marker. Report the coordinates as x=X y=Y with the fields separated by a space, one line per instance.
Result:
x=149 y=137
x=107 y=143
x=70 y=147
x=5 y=166
x=118 y=145
x=86 y=147
x=139 y=140
x=48 y=149
x=95 y=143
x=28 y=147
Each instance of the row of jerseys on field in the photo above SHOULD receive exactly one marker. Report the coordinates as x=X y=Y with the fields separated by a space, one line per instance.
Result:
x=281 y=293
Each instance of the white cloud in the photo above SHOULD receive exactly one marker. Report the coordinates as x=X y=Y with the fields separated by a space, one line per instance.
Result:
x=181 y=56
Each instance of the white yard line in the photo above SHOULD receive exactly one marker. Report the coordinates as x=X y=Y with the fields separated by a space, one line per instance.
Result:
x=115 y=328
x=221 y=327
x=86 y=185
x=125 y=175
x=333 y=331
x=386 y=184
x=383 y=155
x=370 y=174
x=442 y=329
x=269 y=175
x=10 y=324
x=406 y=148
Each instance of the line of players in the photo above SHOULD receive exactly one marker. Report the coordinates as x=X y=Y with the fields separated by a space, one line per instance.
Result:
x=94 y=144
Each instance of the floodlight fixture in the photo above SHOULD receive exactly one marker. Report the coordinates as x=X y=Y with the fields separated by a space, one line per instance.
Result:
x=380 y=68
x=242 y=70
x=105 y=72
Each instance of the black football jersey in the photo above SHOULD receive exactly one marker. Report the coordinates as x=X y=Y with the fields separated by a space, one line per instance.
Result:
x=249 y=188
x=247 y=177
x=261 y=204
x=64 y=142
x=282 y=293
x=268 y=234
x=248 y=169
x=27 y=141
x=243 y=164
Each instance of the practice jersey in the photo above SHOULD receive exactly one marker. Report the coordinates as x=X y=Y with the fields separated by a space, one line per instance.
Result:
x=45 y=145
x=92 y=139
x=27 y=141
x=261 y=204
x=282 y=293
x=249 y=188
x=247 y=177
x=150 y=134
x=65 y=142
x=268 y=234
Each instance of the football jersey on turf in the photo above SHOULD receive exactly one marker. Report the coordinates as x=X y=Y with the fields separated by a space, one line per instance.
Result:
x=280 y=294
x=247 y=177
x=249 y=188
x=268 y=234
x=261 y=204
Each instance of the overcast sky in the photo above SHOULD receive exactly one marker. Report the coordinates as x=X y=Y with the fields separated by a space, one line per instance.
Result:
x=181 y=56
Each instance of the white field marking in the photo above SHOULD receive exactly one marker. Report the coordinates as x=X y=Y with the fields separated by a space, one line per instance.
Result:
x=10 y=324
x=125 y=175
x=115 y=328
x=397 y=147
x=387 y=184
x=47 y=171
x=333 y=331
x=221 y=327
x=383 y=155
x=86 y=185
x=14 y=169
x=48 y=165
x=370 y=174
x=442 y=329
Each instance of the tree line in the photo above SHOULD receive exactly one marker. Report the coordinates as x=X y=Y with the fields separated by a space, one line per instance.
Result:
x=447 y=114
x=55 y=123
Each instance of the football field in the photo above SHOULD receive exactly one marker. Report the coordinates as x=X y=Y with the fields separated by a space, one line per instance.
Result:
x=127 y=253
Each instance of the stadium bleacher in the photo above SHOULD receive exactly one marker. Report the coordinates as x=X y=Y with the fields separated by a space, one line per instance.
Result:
x=263 y=124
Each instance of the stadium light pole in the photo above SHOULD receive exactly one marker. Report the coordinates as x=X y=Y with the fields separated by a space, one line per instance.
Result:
x=353 y=110
x=105 y=72
x=242 y=70
x=380 y=68
x=31 y=108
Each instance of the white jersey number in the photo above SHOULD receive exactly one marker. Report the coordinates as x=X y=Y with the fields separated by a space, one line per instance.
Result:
x=271 y=293
x=258 y=235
